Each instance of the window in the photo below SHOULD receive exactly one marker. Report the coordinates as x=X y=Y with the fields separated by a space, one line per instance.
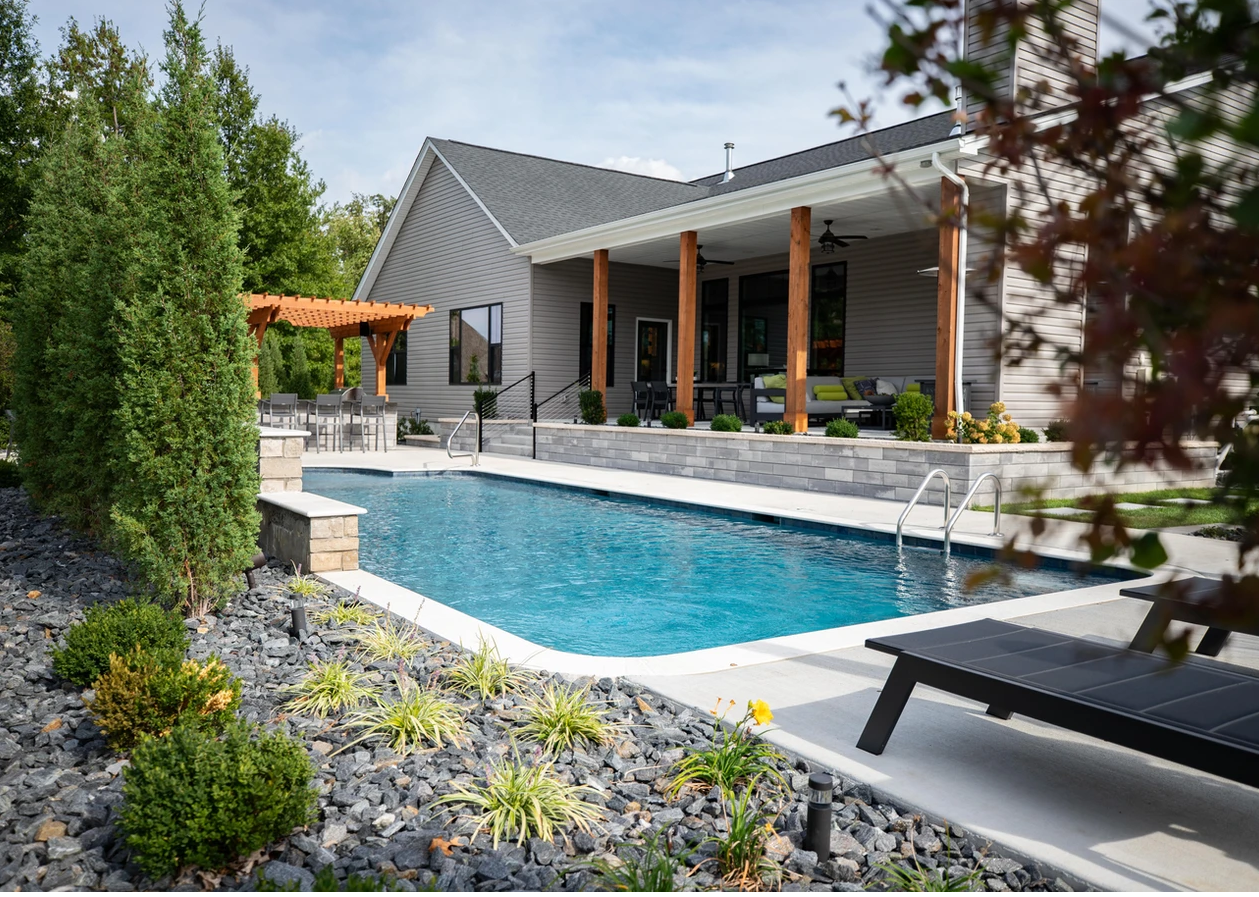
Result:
x=396 y=362
x=827 y=311
x=476 y=345
x=714 y=318
x=587 y=325
x=762 y=324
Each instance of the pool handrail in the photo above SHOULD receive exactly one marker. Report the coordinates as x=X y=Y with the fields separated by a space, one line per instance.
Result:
x=965 y=503
x=475 y=454
x=922 y=487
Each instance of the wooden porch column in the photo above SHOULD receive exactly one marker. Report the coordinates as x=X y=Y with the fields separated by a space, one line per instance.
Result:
x=338 y=361
x=599 y=328
x=946 y=306
x=798 y=318
x=686 y=324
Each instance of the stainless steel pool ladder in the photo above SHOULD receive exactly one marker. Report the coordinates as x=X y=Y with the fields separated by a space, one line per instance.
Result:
x=922 y=487
x=965 y=503
x=475 y=454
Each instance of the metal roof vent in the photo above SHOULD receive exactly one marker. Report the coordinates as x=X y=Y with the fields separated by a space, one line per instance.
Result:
x=729 y=175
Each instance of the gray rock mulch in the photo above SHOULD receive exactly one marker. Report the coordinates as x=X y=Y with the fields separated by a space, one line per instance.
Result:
x=60 y=785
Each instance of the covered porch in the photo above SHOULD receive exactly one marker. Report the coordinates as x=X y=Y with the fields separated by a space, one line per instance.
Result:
x=845 y=276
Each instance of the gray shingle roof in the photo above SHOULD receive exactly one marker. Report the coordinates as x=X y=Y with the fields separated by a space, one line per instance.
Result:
x=535 y=198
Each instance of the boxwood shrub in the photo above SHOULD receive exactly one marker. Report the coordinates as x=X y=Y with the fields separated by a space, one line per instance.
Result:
x=674 y=420
x=191 y=799
x=1027 y=434
x=778 y=428
x=726 y=423
x=629 y=419
x=840 y=428
x=592 y=410
x=913 y=413
x=119 y=629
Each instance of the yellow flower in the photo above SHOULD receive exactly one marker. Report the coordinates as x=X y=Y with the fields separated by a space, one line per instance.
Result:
x=760 y=712
x=966 y=416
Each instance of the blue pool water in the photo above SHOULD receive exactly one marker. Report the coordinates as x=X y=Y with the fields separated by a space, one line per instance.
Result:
x=607 y=576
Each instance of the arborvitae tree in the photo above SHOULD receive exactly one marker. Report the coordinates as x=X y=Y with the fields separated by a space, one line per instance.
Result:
x=187 y=489
x=270 y=365
x=299 y=370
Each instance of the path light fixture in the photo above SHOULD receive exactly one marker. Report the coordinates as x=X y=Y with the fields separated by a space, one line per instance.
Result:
x=817 y=833
x=298 y=610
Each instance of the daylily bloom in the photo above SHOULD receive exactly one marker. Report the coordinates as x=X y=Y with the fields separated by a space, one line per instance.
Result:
x=760 y=712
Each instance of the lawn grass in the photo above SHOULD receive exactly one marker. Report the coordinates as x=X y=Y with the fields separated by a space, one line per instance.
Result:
x=1225 y=510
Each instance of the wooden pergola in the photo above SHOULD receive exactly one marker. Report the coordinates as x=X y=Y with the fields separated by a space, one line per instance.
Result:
x=378 y=322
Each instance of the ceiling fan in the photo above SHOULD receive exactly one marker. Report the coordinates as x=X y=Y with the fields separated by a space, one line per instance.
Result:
x=828 y=241
x=700 y=261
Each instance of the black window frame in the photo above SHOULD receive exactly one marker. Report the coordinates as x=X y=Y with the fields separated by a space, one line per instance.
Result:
x=396 y=361
x=814 y=310
x=714 y=313
x=585 y=336
x=492 y=369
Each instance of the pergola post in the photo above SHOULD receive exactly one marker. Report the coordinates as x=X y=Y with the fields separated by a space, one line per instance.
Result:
x=687 y=252
x=338 y=361
x=381 y=345
x=599 y=327
x=258 y=320
x=795 y=412
x=946 y=306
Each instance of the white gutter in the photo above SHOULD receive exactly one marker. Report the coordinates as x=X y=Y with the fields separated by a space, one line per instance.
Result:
x=961 y=278
x=847 y=182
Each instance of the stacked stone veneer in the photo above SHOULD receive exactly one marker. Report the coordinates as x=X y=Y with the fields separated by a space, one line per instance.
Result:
x=280 y=459
x=318 y=533
x=872 y=468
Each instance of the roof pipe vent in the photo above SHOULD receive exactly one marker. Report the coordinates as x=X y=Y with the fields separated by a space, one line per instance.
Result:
x=729 y=175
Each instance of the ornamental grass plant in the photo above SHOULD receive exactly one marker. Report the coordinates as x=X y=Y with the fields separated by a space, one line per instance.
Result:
x=644 y=867
x=736 y=758
x=391 y=640
x=916 y=878
x=345 y=613
x=417 y=718
x=741 y=853
x=525 y=801
x=305 y=586
x=562 y=718
x=329 y=687
x=484 y=674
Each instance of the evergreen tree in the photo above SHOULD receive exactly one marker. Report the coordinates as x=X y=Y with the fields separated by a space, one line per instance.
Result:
x=185 y=510
x=299 y=379
x=270 y=365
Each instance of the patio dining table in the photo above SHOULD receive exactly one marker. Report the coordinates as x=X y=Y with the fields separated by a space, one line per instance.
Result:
x=700 y=393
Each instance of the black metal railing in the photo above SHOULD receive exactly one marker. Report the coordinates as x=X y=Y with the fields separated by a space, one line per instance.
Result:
x=565 y=404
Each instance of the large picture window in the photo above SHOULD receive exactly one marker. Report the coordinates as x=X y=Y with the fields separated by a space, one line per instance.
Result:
x=476 y=345
x=587 y=327
x=827 y=310
x=396 y=362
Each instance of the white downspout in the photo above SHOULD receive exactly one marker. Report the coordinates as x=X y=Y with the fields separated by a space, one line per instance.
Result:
x=961 y=276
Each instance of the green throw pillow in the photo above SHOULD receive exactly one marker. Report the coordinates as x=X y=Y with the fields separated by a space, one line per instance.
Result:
x=830 y=393
x=913 y=387
x=850 y=384
x=776 y=381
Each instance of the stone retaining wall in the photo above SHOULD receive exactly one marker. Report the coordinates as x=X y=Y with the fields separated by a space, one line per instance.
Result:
x=872 y=468
x=320 y=534
x=280 y=459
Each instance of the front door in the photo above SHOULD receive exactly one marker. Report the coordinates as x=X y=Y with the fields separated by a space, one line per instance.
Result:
x=653 y=350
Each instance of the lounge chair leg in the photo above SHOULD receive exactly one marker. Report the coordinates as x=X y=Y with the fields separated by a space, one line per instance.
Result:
x=1212 y=642
x=998 y=712
x=1152 y=629
x=887 y=710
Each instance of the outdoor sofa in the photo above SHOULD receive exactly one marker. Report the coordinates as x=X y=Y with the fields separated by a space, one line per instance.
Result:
x=762 y=404
x=1197 y=712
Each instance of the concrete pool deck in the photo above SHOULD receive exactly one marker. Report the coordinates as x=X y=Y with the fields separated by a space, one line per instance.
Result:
x=1108 y=816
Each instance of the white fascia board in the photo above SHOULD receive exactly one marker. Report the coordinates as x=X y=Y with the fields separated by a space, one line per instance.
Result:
x=419 y=169
x=848 y=182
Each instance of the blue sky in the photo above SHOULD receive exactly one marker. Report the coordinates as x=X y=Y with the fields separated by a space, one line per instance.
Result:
x=656 y=87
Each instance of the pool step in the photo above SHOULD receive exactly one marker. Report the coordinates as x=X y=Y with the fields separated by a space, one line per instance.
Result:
x=501 y=439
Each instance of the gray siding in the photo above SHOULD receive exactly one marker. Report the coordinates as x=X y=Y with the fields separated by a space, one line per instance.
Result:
x=450 y=255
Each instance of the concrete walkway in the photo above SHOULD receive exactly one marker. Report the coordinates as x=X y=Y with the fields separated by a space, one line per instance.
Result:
x=1105 y=815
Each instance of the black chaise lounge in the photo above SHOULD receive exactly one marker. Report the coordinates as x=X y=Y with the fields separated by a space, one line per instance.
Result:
x=1200 y=713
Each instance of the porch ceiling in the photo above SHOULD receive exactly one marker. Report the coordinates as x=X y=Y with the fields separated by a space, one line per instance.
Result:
x=875 y=216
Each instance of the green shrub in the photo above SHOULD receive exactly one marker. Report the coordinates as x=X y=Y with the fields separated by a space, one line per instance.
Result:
x=778 y=428
x=192 y=799
x=563 y=718
x=629 y=419
x=10 y=475
x=674 y=420
x=1027 y=434
x=1056 y=431
x=525 y=801
x=484 y=400
x=409 y=426
x=726 y=423
x=118 y=629
x=141 y=697
x=592 y=410
x=913 y=413
x=840 y=428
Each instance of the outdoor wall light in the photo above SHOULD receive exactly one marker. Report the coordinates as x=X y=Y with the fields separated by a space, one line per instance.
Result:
x=817 y=833
x=298 y=609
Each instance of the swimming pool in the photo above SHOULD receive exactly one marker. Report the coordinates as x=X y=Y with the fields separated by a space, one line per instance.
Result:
x=610 y=576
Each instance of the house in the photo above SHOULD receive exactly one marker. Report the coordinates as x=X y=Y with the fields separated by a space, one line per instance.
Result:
x=724 y=277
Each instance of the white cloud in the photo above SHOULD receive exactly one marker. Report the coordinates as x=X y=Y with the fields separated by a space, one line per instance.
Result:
x=656 y=168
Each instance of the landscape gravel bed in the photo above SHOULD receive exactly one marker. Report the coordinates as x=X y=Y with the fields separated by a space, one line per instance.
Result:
x=60 y=785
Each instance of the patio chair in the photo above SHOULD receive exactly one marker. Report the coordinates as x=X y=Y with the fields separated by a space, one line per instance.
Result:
x=283 y=410
x=661 y=401
x=372 y=415
x=641 y=390
x=328 y=418
x=1200 y=713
